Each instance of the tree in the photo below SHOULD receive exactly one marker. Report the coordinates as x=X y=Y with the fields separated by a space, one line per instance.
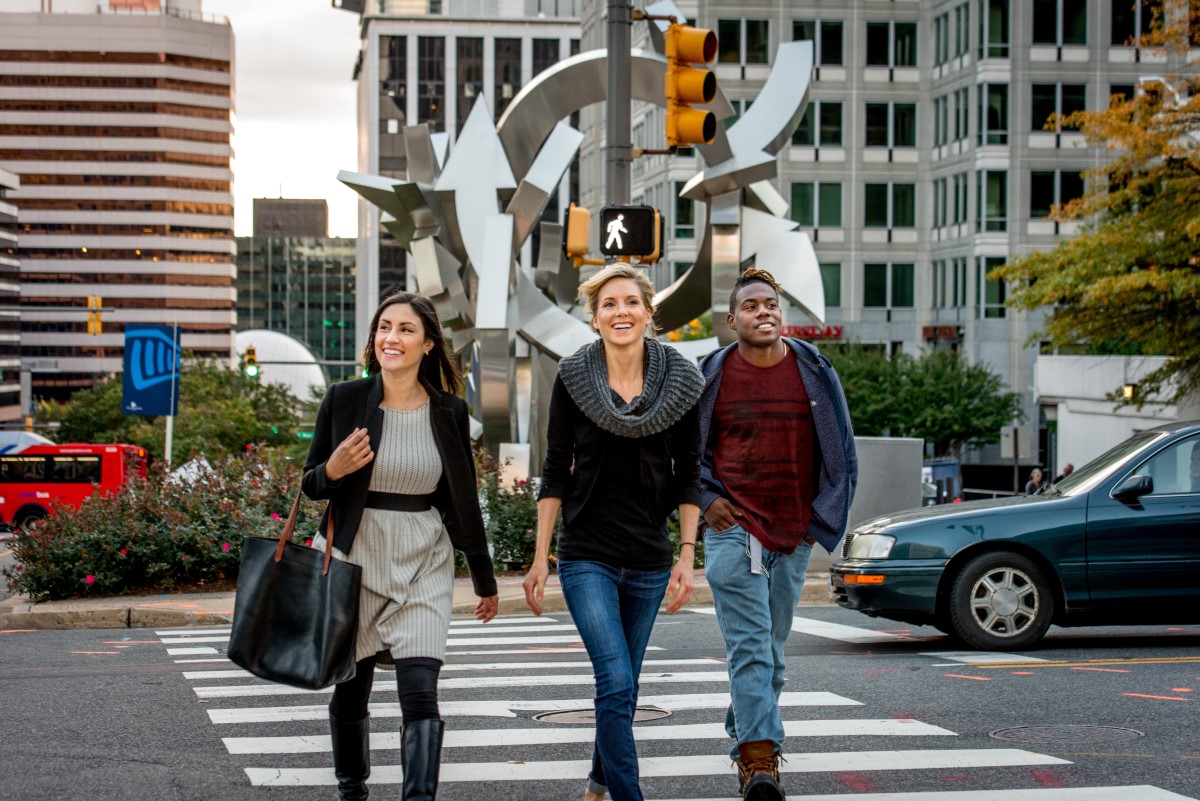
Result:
x=1130 y=282
x=221 y=410
x=937 y=397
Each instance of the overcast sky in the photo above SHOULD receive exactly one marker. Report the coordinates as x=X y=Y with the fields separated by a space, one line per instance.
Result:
x=295 y=123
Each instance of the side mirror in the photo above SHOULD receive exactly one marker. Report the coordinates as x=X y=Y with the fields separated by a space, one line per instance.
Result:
x=1133 y=487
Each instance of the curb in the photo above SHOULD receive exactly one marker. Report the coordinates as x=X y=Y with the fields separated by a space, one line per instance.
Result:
x=199 y=609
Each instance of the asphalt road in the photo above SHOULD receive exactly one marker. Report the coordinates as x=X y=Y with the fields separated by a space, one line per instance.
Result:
x=137 y=714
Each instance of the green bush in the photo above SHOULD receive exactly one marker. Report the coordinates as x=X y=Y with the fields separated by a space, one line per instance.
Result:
x=161 y=533
x=510 y=516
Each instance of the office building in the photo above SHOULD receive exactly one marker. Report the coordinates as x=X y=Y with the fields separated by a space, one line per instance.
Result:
x=427 y=61
x=924 y=159
x=10 y=298
x=292 y=277
x=117 y=116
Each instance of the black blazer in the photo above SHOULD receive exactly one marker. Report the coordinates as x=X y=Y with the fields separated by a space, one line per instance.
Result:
x=355 y=404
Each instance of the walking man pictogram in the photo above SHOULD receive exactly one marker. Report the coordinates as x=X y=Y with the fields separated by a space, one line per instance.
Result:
x=615 y=229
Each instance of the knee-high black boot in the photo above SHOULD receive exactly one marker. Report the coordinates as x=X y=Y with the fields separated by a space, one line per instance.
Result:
x=351 y=757
x=421 y=758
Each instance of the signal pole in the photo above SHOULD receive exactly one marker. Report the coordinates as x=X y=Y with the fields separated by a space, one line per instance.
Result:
x=617 y=147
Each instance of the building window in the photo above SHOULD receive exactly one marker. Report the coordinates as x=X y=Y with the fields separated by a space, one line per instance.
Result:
x=962 y=25
x=545 y=54
x=826 y=36
x=817 y=205
x=1131 y=19
x=890 y=206
x=891 y=44
x=431 y=80
x=941 y=39
x=508 y=73
x=888 y=286
x=743 y=41
x=990 y=294
x=993 y=114
x=960 y=199
x=831 y=280
x=891 y=125
x=1119 y=93
x=940 y=190
x=993 y=28
x=1063 y=99
x=685 y=215
x=991 y=200
x=470 y=76
x=1062 y=22
x=941 y=120
x=1049 y=188
x=829 y=131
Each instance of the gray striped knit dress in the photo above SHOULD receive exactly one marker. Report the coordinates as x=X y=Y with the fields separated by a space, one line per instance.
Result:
x=406 y=557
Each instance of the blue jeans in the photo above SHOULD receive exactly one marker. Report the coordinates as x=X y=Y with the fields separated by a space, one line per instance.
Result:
x=754 y=613
x=614 y=610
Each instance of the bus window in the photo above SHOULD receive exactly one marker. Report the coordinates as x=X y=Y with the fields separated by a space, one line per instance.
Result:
x=76 y=469
x=22 y=468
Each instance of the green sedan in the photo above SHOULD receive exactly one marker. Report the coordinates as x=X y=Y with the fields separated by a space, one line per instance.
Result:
x=1116 y=542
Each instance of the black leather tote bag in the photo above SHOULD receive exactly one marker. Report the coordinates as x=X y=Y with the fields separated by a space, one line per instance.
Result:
x=295 y=618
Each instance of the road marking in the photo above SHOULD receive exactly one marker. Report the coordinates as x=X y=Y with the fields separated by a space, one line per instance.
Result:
x=830 y=631
x=499 y=640
x=6 y=553
x=198 y=675
x=488 y=738
x=1142 y=792
x=498 y=621
x=685 y=766
x=1146 y=660
x=972 y=678
x=196 y=651
x=193 y=630
x=474 y=683
x=508 y=709
x=192 y=640
x=486 y=628
x=1156 y=697
x=577 y=648
x=981 y=657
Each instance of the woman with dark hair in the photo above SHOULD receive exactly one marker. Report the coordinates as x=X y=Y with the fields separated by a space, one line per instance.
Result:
x=392 y=455
x=622 y=452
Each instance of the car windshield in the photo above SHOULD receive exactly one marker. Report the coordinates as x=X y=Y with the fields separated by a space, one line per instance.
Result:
x=1095 y=471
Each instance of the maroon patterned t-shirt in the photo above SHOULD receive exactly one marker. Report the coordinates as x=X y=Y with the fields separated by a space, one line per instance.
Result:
x=765 y=449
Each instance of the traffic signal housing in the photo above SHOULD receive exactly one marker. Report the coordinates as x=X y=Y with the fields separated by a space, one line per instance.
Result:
x=577 y=224
x=630 y=231
x=687 y=85
x=94 y=324
x=250 y=362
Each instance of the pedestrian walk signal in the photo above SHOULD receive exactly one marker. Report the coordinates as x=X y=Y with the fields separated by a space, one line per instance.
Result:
x=631 y=231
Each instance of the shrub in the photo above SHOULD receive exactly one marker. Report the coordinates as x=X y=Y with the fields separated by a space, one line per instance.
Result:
x=510 y=516
x=162 y=533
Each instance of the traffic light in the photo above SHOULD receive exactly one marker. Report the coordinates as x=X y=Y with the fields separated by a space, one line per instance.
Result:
x=250 y=361
x=631 y=231
x=577 y=225
x=687 y=85
x=94 y=325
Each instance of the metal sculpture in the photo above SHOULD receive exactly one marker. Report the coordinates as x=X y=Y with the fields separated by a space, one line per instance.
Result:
x=464 y=219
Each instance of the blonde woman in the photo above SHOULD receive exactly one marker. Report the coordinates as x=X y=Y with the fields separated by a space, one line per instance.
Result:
x=622 y=452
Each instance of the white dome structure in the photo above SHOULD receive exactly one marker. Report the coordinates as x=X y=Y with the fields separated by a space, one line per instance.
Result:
x=282 y=360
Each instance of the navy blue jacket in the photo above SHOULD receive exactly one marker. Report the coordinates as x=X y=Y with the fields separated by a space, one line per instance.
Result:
x=835 y=436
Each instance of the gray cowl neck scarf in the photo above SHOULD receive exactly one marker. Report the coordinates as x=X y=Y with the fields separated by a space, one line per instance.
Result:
x=671 y=385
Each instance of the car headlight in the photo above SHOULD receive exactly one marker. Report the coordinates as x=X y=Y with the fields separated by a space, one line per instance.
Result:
x=871 y=546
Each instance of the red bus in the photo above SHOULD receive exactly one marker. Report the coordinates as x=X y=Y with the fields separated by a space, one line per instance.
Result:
x=40 y=475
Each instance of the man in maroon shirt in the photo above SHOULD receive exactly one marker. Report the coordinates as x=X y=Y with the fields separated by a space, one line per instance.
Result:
x=777 y=474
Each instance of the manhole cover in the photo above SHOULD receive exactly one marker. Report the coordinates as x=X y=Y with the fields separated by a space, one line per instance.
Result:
x=1065 y=734
x=588 y=716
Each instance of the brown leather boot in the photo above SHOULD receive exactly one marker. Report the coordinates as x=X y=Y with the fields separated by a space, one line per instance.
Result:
x=758 y=771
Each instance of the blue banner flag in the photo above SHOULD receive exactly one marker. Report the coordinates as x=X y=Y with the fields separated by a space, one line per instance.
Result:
x=151 y=382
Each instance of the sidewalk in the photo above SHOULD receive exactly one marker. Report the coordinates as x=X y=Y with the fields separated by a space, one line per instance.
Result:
x=214 y=609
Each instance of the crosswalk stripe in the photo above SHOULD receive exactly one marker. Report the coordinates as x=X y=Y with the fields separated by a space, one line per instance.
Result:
x=690 y=766
x=487 y=738
x=1142 y=792
x=487 y=667
x=486 y=628
x=204 y=649
x=515 y=620
x=830 y=631
x=575 y=649
x=508 y=709
x=193 y=640
x=259 y=690
x=981 y=657
x=201 y=630
x=498 y=640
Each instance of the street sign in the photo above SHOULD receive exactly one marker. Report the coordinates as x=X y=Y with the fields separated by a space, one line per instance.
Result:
x=628 y=230
x=150 y=385
x=1019 y=434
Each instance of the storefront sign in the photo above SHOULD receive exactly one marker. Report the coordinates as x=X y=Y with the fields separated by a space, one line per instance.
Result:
x=814 y=331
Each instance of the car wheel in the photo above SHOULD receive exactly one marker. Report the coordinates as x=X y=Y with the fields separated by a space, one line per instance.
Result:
x=27 y=515
x=1000 y=601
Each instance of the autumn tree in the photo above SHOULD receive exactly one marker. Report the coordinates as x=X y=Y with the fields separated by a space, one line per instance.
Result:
x=1129 y=283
